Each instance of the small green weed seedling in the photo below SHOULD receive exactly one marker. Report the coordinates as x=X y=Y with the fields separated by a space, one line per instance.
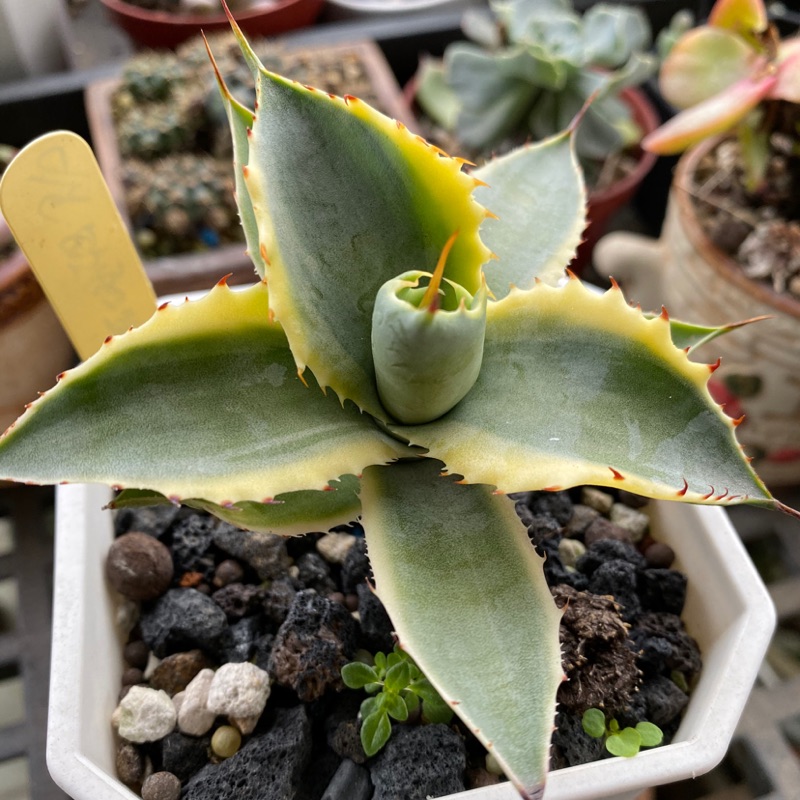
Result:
x=399 y=690
x=621 y=742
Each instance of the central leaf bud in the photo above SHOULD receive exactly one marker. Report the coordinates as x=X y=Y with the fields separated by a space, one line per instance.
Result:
x=427 y=342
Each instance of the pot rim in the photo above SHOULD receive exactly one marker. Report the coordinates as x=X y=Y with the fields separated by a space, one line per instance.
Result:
x=724 y=265
x=193 y=20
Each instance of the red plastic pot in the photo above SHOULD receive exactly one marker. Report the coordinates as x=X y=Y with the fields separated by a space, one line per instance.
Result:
x=162 y=29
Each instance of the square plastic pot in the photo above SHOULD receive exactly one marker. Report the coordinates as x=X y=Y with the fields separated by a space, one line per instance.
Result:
x=728 y=611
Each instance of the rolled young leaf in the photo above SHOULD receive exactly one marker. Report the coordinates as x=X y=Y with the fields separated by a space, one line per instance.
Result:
x=466 y=593
x=427 y=343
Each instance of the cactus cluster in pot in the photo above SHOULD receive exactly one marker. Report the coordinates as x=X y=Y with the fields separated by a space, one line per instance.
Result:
x=410 y=356
x=528 y=71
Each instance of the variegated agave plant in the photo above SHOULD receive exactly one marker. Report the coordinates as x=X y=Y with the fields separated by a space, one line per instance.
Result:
x=374 y=286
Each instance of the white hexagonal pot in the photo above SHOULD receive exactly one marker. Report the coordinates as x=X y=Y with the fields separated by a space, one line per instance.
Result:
x=728 y=611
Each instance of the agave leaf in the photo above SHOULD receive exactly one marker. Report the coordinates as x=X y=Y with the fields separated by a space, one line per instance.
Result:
x=538 y=195
x=453 y=560
x=241 y=120
x=290 y=514
x=718 y=114
x=579 y=388
x=689 y=337
x=374 y=202
x=702 y=63
x=201 y=401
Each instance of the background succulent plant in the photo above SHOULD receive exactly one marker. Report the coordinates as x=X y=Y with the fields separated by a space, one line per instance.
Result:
x=530 y=70
x=221 y=403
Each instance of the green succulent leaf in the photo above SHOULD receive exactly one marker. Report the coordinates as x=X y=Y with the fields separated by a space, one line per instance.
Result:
x=626 y=743
x=435 y=96
x=554 y=407
x=450 y=558
x=241 y=121
x=375 y=731
x=201 y=401
x=594 y=722
x=381 y=201
x=397 y=677
x=357 y=675
x=396 y=707
x=411 y=700
x=370 y=706
x=650 y=735
x=289 y=514
x=538 y=195
x=435 y=710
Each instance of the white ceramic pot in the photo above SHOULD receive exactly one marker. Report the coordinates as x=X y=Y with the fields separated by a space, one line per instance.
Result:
x=728 y=611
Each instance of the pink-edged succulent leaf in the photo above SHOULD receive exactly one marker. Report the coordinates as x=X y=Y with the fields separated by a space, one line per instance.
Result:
x=467 y=597
x=718 y=114
x=702 y=63
x=787 y=87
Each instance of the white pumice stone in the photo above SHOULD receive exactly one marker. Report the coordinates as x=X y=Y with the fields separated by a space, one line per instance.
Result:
x=570 y=550
x=334 y=547
x=194 y=718
x=144 y=715
x=594 y=498
x=177 y=701
x=152 y=662
x=635 y=522
x=245 y=725
x=239 y=690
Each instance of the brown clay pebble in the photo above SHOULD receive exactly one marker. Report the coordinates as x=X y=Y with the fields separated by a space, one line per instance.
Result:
x=132 y=676
x=136 y=654
x=659 y=554
x=351 y=602
x=130 y=765
x=336 y=597
x=139 y=566
x=161 y=786
x=227 y=572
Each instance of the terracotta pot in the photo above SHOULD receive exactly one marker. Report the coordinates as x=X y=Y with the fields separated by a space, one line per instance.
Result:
x=33 y=346
x=698 y=282
x=163 y=29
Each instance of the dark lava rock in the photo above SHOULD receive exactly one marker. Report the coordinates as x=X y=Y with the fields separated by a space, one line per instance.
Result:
x=376 y=627
x=609 y=550
x=262 y=649
x=342 y=729
x=685 y=655
x=349 y=782
x=355 y=568
x=664 y=700
x=238 y=642
x=571 y=744
x=542 y=527
x=181 y=620
x=184 y=755
x=152 y=520
x=175 y=672
x=138 y=566
x=264 y=552
x=600 y=666
x=191 y=540
x=315 y=573
x=419 y=762
x=278 y=599
x=618 y=578
x=268 y=767
x=315 y=641
x=653 y=652
x=554 y=570
x=557 y=505
x=238 y=600
x=662 y=590
x=315 y=780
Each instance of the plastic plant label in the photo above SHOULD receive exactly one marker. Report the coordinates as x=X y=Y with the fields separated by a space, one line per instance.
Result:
x=60 y=211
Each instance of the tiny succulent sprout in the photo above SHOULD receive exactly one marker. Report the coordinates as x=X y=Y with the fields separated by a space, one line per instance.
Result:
x=400 y=690
x=624 y=742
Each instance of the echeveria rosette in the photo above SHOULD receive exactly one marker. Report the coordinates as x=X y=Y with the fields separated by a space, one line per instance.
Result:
x=720 y=73
x=204 y=403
